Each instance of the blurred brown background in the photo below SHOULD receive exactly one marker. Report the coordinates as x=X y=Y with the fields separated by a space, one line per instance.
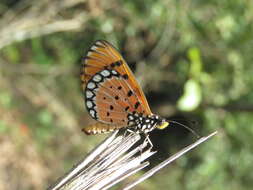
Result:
x=192 y=58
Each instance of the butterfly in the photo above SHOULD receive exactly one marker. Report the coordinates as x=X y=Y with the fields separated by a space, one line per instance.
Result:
x=112 y=95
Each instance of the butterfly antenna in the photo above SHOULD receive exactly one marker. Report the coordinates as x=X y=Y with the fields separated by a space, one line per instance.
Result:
x=185 y=126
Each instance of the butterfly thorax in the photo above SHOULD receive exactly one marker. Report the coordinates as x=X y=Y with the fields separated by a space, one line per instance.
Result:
x=143 y=124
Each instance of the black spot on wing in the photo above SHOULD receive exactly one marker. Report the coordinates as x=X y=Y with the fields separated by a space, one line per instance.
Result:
x=113 y=65
x=117 y=63
x=136 y=105
x=127 y=108
x=125 y=76
x=130 y=93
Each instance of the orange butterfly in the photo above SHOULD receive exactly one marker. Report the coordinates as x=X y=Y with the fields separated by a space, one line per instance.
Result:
x=112 y=95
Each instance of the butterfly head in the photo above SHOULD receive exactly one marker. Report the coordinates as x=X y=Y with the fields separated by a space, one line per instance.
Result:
x=145 y=124
x=162 y=123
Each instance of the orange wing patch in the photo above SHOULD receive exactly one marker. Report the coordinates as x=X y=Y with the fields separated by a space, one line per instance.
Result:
x=110 y=99
x=115 y=103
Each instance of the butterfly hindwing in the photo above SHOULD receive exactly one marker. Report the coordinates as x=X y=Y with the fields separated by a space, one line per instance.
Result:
x=111 y=99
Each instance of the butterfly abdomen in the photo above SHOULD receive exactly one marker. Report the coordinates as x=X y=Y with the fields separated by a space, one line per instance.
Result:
x=99 y=128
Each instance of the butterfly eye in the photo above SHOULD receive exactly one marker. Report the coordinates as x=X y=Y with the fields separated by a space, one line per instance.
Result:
x=162 y=125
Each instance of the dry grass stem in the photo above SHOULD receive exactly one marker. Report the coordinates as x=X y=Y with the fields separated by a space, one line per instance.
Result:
x=118 y=157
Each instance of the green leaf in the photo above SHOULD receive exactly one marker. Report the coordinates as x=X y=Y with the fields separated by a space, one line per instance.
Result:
x=192 y=96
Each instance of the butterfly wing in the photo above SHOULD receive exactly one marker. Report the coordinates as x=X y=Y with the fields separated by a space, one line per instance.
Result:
x=111 y=91
x=102 y=55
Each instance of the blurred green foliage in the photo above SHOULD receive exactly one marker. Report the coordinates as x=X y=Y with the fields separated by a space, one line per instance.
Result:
x=192 y=58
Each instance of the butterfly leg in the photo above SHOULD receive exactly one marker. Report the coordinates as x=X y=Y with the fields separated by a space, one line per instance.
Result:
x=146 y=143
x=128 y=131
x=147 y=140
x=134 y=132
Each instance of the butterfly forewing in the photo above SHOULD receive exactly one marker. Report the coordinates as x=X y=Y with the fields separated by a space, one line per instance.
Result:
x=110 y=88
x=98 y=58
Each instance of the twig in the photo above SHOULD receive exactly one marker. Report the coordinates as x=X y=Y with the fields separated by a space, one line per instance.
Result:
x=37 y=18
x=112 y=161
